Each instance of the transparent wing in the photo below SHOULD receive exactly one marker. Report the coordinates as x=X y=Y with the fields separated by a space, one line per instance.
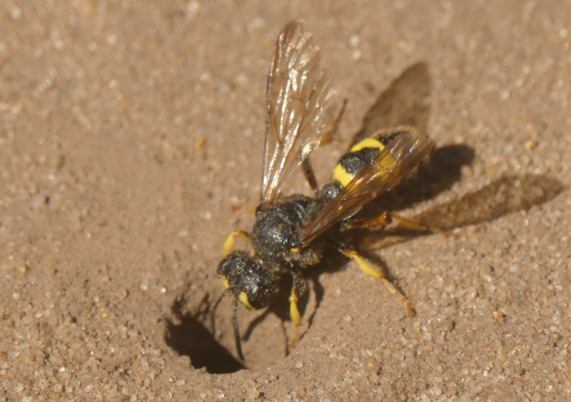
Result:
x=404 y=151
x=298 y=106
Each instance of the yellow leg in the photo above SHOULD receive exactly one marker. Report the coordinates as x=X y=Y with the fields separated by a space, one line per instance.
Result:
x=231 y=241
x=377 y=273
x=297 y=289
x=375 y=223
x=294 y=309
x=379 y=222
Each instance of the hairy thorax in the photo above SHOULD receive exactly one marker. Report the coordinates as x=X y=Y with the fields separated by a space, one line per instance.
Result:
x=276 y=233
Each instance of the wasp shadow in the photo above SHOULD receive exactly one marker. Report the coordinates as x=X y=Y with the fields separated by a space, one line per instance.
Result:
x=406 y=102
x=506 y=195
x=187 y=334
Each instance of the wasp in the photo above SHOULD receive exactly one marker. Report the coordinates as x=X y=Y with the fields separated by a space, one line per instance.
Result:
x=291 y=232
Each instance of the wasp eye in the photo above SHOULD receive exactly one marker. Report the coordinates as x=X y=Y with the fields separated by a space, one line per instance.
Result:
x=249 y=281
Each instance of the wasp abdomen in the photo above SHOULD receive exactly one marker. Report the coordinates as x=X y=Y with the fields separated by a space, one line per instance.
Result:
x=361 y=155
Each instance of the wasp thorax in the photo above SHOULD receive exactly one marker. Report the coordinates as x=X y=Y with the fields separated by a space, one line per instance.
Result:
x=249 y=281
x=277 y=226
x=273 y=235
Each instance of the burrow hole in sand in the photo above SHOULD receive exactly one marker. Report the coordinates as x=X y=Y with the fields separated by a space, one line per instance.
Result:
x=265 y=333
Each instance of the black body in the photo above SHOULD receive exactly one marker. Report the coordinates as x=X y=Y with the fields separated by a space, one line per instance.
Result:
x=275 y=238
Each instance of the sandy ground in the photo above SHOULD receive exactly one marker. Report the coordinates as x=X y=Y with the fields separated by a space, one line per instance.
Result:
x=130 y=145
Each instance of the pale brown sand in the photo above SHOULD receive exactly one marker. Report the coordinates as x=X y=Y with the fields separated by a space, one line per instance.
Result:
x=112 y=215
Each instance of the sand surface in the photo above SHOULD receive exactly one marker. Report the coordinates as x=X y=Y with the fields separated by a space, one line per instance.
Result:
x=130 y=146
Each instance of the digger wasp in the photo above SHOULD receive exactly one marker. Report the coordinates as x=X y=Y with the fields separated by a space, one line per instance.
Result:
x=291 y=232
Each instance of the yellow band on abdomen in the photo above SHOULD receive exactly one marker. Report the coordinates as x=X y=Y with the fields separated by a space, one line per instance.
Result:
x=367 y=143
x=343 y=176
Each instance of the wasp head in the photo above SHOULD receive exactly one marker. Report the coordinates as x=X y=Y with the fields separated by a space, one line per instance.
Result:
x=247 y=279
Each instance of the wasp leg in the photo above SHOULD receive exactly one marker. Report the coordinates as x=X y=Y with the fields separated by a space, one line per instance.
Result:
x=237 y=339
x=375 y=223
x=297 y=290
x=230 y=241
x=309 y=175
x=213 y=312
x=379 y=222
x=377 y=273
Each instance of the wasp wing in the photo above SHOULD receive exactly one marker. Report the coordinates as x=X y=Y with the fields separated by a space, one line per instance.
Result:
x=298 y=106
x=404 y=151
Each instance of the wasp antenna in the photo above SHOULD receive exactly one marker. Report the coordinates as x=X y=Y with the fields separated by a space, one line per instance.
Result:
x=237 y=339
x=213 y=312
